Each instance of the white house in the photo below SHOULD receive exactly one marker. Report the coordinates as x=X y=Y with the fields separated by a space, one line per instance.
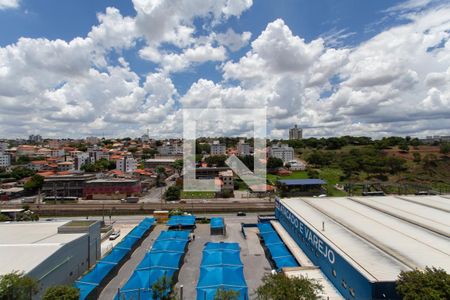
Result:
x=218 y=149
x=5 y=160
x=283 y=151
x=126 y=164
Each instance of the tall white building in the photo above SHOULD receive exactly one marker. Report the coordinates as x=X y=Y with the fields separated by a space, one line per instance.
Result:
x=3 y=147
x=283 y=151
x=81 y=159
x=243 y=148
x=126 y=164
x=295 y=133
x=5 y=160
x=218 y=149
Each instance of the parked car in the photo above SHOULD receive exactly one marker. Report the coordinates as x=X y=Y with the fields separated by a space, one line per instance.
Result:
x=114 y=235
x=241 y=214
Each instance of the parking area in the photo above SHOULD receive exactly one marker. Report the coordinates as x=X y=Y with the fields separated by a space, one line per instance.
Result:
x=252 y=255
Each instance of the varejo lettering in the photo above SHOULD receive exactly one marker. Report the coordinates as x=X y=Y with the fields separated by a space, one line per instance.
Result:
x=310 y=236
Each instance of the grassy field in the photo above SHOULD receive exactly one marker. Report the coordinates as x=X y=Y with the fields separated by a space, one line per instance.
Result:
x=332 y=176
x=271 y=178
x=197 y=195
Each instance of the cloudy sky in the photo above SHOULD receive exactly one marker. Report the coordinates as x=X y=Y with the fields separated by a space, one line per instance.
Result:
x=116 y=67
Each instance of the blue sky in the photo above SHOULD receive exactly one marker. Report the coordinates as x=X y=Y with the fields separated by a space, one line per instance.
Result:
x=53 y=19
x=337 y=67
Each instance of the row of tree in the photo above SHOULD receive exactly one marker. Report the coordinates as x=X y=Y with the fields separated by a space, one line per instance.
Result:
x=368 y=159
x=431 y=283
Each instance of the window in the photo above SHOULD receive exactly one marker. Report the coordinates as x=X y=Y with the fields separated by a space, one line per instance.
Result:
x=344 y=284
x=333 y=272
x=352 y=292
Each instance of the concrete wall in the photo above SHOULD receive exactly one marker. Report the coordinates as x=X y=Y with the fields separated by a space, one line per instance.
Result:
x=64 y=266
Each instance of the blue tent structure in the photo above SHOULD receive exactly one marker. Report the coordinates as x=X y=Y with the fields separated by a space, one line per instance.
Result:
x=280 y=255
x=161 y=259
x=222 y=246
x=221 y=267
x=174 y=235
x=217 y=226
x=185 y=221
x=217 y=258
x=169 y=246
x=92 y=282
x=164 y=259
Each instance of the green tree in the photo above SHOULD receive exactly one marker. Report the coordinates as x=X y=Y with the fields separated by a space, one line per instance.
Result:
x=216 y=160
x=274 y=163
x=161 y=289
x=35 y=183
x=178 y=166
x=430 y=284
x=21 y=172
x=22 y=160
x=320 y=158
x=445 y=148
x=223 y=294
x=17 y=286
x=173 y=193
x=404 y=147
x=281 y=287
x=61 y=292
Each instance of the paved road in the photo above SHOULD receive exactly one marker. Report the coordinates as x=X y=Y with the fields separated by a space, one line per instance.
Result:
x=127 y=269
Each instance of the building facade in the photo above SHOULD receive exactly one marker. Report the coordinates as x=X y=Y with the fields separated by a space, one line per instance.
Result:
x=295 y=133
x=243 y=148
x=218 y=148
x=126 y=164
x=5 y=160
x=112 y=189
x=65 y=186
x=283 y=152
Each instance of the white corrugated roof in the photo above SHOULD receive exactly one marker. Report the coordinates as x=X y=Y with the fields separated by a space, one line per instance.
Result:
x=380 y=236
x=25 y=245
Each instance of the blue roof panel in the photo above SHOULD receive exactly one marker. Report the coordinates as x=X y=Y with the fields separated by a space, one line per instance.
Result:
x=302 y=181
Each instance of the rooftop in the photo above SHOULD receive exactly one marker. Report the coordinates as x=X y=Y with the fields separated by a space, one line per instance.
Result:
x=33 y=242
x=381 y=236
x=302 y=181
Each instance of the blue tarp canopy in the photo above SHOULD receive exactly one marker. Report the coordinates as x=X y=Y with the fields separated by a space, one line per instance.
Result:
x=128 y=242
x=138 y=231
x=222 y=246
x=212 y=278
x=215 y=258
x=160 y=259
x=265 y=227
x=116 y=255
x=169 y=246
x=98 y=273
x=181 y=221
x=271 y=238
x=174 y=235
x=221 y=267
x=286 y=261
x=144 y=280
x=103 y=268
x=217 y=223
x=280 y=254
x=297 y=182
x=85 y=288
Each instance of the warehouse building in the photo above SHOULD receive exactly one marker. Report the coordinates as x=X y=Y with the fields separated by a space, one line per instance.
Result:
x=52 y=252
x=362 y=243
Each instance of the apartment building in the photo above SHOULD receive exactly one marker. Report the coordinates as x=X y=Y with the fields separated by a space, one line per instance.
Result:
x=283 y=152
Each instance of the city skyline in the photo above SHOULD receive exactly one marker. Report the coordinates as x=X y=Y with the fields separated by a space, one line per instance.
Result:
x=361 y=68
